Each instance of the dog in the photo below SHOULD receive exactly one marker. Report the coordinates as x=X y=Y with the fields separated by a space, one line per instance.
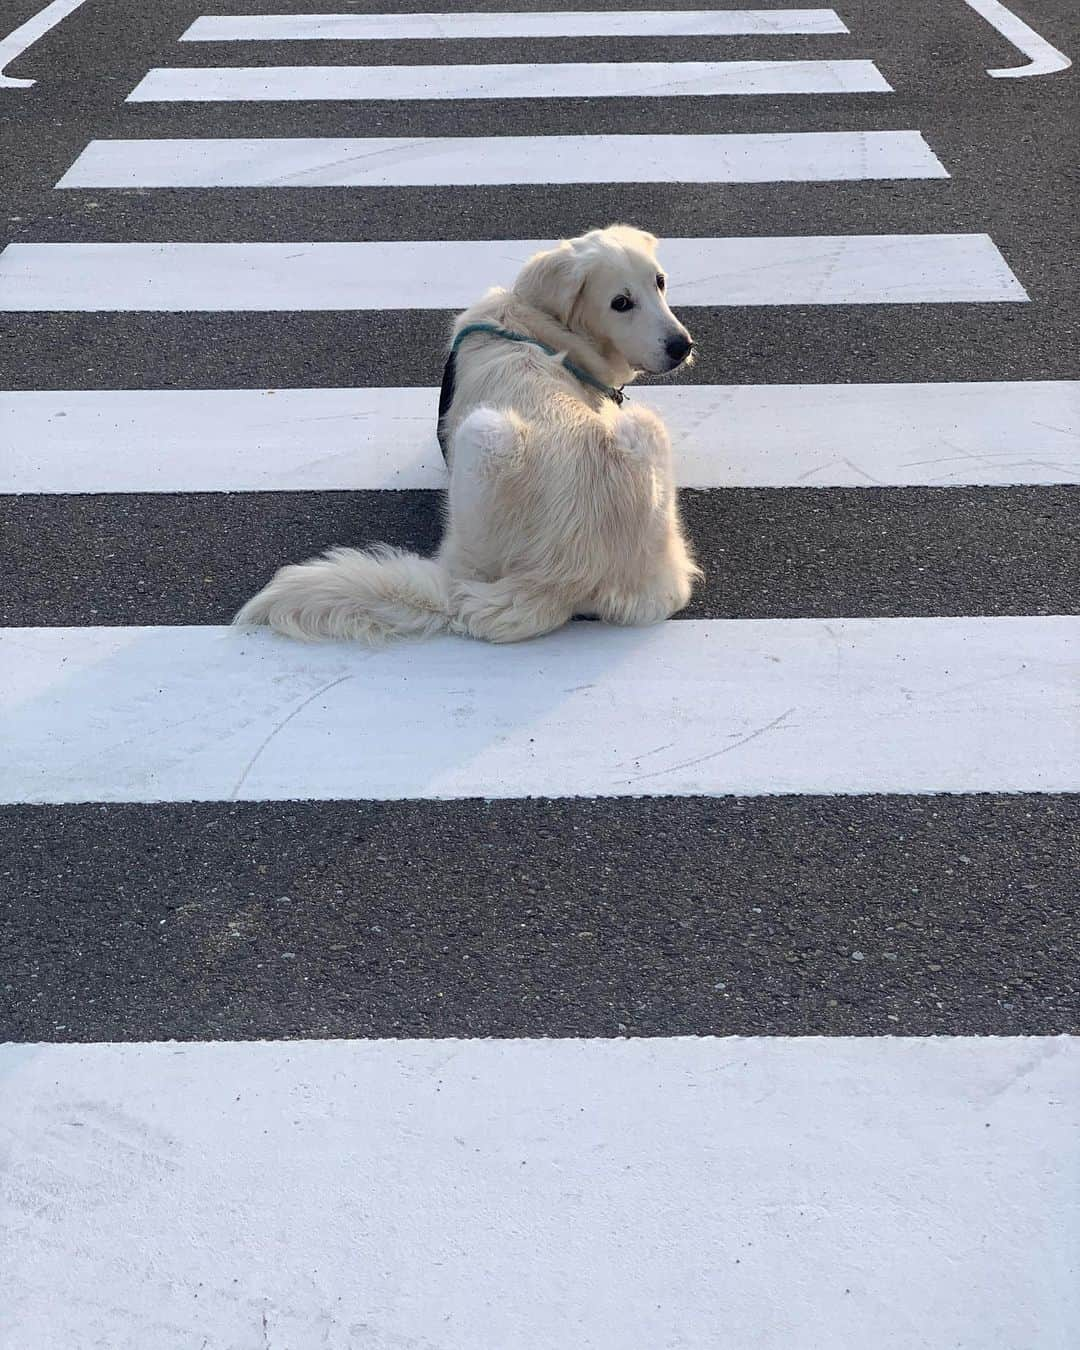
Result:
x=561 y=502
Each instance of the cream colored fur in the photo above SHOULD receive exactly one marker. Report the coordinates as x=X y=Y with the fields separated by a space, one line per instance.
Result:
x=559 y=502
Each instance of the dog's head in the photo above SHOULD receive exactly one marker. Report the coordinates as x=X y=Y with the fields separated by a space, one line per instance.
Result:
x=608 y=286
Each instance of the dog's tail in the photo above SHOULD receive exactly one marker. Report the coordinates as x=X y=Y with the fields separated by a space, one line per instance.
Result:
x=373 y=596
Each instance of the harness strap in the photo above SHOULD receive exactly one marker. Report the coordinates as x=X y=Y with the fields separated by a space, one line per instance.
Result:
x=446 y=391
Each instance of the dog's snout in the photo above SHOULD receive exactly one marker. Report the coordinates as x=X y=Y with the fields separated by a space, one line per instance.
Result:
x=678 y=346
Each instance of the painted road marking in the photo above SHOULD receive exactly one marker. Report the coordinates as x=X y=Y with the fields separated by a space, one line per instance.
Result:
x=808 y=156
x=554 y=24
x=27 y=34
x=901 y=1191
x=804 y=270
x=293 y=440
x=744 y=707
x=1043 y=58
x=630 y=79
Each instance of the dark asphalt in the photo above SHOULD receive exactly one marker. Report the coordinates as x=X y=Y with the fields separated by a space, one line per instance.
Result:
x=867 y=915
x=796 y=345
x=194 y=558
x=567 y=918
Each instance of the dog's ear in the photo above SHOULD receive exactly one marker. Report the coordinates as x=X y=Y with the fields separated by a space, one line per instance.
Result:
x=553 y=281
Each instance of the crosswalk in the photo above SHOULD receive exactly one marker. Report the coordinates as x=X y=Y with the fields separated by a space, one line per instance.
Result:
x=617 y=79
x=1000 y=433
x=298 y=276
x=445 y=161
x=791 y=705
x=607 y=23
x=469 y=1187
x=666 y=968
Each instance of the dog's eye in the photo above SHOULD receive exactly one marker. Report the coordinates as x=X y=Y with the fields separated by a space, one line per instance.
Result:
x=661 y=281
x=621 y=304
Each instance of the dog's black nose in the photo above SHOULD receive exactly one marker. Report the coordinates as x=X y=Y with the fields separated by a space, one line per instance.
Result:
x=677 y=346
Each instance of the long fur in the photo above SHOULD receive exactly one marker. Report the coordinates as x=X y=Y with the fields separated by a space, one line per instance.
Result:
x=559 y=502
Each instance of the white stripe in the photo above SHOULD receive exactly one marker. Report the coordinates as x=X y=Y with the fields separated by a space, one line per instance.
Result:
x=810 y=156
x=27 y=34
x=768 y=1191
x=808 y=270
x=746 y=707
x=1043 y=58
x=799 y=435
x=630 y=79
x=544 y=24
x=219 y=440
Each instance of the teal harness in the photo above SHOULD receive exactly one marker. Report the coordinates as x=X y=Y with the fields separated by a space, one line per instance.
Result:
x=446 y=393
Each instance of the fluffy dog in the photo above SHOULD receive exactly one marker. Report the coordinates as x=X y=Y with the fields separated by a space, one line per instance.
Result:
x=560 y=501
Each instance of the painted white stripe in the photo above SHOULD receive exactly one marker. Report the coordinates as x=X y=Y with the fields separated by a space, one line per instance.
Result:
x=630 y=79
x=219 y=440
x=808 y=270
x=27 y=34
x=544 y=24
x=809 y=156
x=799 y=435
x=897 y=1192
x=1043 y=58
x=745 y=707
x=858 y=435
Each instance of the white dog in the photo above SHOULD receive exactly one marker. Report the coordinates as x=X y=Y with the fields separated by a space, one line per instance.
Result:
x=560 y=502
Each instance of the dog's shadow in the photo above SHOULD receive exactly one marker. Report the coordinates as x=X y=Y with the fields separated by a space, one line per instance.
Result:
x=182 y=714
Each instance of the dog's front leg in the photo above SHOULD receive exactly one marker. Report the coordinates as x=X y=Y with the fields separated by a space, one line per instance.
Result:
x=638 y=431
x=487 y=442
x=664 y=584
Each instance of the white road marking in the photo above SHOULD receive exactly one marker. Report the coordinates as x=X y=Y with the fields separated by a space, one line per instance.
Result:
x=629 y=79
x=543 y=24
x=799 y=435
x=795 y=157
x=746 y=707
x=1043 y=58
x=219 y=440
x=807 y=270
x=898 y=1191
x=27 y=34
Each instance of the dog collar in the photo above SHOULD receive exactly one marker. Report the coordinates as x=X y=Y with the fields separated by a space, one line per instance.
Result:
x=446 y=392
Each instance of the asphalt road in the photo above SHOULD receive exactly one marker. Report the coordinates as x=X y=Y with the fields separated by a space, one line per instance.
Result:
x=837 y=915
